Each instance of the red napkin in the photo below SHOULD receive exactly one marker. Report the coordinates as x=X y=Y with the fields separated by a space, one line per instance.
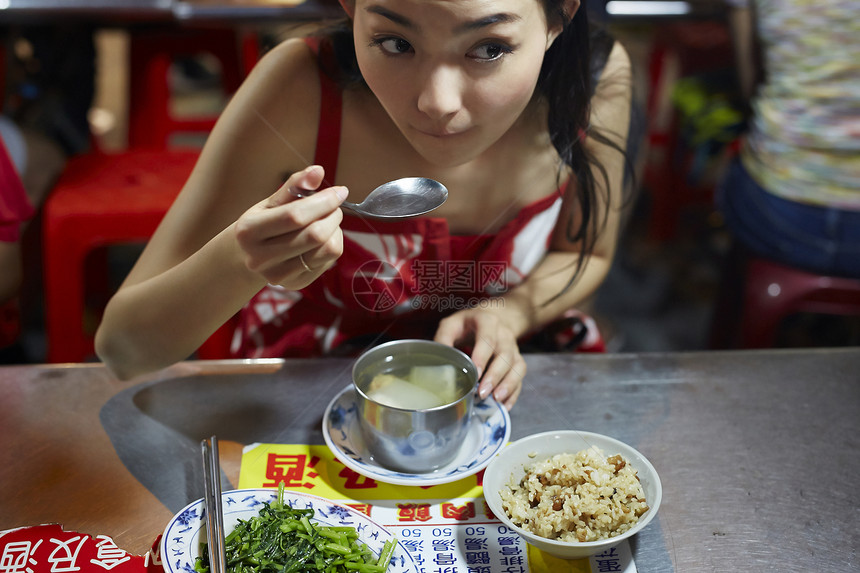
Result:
x=47 y=548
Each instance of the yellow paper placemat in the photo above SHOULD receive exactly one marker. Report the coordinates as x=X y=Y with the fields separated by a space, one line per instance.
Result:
x=447 y=528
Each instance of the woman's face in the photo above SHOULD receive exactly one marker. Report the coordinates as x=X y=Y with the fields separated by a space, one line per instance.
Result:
x=454 y=75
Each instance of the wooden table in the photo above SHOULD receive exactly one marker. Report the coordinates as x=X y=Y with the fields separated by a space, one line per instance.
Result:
x=757 y=451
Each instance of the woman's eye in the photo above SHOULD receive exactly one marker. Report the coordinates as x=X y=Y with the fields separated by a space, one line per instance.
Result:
x=489 y=52
x=393 y=45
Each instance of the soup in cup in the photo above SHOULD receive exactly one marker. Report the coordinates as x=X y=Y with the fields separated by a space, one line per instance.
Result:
x=415 y=400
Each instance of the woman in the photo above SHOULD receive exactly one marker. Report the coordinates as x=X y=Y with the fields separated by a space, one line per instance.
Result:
x=491 y=99
x=793 y=193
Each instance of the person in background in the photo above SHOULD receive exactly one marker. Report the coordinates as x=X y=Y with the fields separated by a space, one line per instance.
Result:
x=29 y=164
x=15 y=209
x=793 y=194
x=23 y=181
x=50 y=84
x=515 y=105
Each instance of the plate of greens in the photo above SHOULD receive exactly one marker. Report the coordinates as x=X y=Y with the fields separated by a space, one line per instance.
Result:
x=274 y=529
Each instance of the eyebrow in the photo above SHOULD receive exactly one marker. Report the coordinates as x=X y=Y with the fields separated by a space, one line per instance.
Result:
x=393 y=16
x=500 y=18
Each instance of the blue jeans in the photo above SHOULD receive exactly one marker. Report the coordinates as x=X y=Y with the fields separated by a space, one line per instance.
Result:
x=820 y=239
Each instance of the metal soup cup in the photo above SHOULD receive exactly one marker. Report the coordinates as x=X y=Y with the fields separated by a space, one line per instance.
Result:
x=414 y=440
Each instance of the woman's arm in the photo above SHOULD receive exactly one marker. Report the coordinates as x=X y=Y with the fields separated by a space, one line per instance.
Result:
x=610 y=115
x=535 y=303
x=234 y=226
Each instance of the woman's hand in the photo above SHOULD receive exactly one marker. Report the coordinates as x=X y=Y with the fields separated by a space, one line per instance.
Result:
x=291 y=241
x=495 y=352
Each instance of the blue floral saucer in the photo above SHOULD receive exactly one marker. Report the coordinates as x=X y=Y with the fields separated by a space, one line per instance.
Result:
x=489 y=431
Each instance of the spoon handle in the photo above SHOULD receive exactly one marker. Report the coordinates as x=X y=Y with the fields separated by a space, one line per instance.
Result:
x=302 y=193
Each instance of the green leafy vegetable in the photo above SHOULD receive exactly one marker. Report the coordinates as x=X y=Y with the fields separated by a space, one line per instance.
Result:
x=284 y=540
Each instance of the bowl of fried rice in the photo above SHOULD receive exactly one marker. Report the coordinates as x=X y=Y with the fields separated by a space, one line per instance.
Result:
x=571 y=493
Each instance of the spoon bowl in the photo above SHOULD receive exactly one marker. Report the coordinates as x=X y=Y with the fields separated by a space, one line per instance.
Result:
x=407 y=197
x=399 y=199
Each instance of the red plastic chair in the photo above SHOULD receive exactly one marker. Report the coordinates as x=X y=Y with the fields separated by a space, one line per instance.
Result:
x=151 y=54
x=104 y=199
x=768 y=293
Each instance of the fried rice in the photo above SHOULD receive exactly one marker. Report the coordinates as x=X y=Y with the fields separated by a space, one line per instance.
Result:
x=585 y=496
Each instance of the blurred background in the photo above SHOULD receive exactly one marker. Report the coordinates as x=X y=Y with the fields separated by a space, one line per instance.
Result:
x=127 y=59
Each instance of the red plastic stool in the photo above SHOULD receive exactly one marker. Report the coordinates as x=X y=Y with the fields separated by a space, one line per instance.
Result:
x=99 y=200
x=151 y=54
x=83 y=217
x=105 y=199
x=771 y=292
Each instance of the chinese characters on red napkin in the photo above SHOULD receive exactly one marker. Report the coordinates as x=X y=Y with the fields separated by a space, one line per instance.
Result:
x=50 y=549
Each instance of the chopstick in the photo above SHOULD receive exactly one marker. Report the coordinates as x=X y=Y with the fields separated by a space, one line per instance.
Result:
x=212 y=502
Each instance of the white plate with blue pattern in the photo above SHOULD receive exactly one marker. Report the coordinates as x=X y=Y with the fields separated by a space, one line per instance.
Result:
x=181 y=542
x=489 y=431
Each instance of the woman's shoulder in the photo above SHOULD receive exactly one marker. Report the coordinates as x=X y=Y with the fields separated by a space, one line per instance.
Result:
x=277 y=107
x=613 y=91
x=288 y=70
x=617 y=66
x=282 y=87
x=267 y=131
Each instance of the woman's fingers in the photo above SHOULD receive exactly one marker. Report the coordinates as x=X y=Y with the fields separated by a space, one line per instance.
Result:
x=451 y=330
x=300 y=239
x=505 y=376
x=307 y=250
x=494 y=351
x=298 y=185
x=319 y=259
x=283 y=212
x=268 y=220
x=504 y=370
x=290 y=240
x=301 y=270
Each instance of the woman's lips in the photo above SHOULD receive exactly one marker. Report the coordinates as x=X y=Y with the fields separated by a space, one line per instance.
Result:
x=440 y=134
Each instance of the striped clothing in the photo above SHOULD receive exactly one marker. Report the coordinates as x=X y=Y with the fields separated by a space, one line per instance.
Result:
x=804 y=139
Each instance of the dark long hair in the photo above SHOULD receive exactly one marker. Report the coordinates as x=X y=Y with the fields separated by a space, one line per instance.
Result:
x=567 y=79
x=571 y=69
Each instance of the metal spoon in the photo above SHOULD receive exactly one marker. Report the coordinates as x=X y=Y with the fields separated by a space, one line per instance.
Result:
x=399 y=199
